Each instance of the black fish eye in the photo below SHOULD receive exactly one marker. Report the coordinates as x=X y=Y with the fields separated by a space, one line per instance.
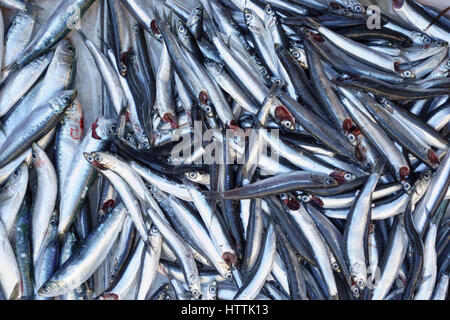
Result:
x=269 y=10
x=248 y=16
x=90 y=158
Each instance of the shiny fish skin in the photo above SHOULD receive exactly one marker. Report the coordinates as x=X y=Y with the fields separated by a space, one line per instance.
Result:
x=59 y=24
x=81 y=174
x=15 y=189
x=87 y=257
x=18 y=83
x=38 y=123
x=224 y=150
x=18 y=36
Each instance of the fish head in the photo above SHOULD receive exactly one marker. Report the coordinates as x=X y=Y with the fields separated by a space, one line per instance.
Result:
x=182 y=30
x=51 y=289
x=253 y=22
x=103 y=160
x=14 y=181
x=194 y=286
x=214 y=68
x=270 y=17
x=198 y=177
x=421 y=185
x=38 y=156
x=65 y=52
x=62 y=100
x=196 y=14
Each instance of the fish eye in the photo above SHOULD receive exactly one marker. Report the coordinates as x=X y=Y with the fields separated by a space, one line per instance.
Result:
x=66 y=99
x=90 y=158
x=269 y=10
x=154 y=229
x=407 y=74
x=427 y=175
x=16 y=173
x=426 y=40
x=287 y=124
x=406 y=186
x=348 y=176
x=212 y=289
x=335 y=266
x=360 y=283
x=306 y=198
x=283 y=196
x=193 y=175
x=329 y=181
x=358 y=9
x=351 y=137
x=98 y=159
x=181 y=28
x=198 y=8
x=229 y=276
x=355 y=291
x=295 y=54
x=248 y=16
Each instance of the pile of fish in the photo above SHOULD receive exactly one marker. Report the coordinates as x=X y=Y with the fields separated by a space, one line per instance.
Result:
x=349 y=200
